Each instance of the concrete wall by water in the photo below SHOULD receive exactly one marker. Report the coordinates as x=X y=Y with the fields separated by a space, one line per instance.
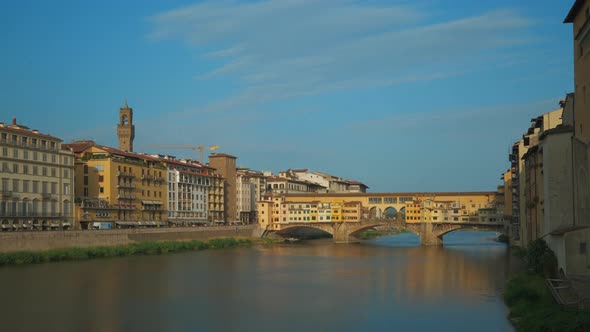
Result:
x=16 y=241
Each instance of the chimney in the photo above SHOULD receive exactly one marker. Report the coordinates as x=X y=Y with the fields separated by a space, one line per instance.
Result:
x=14 y=121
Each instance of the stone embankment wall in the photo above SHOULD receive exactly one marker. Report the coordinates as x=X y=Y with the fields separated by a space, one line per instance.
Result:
x=46 y=240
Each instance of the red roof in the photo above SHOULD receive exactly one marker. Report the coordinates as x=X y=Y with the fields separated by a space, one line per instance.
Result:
x=79 y=146
x=21 y=130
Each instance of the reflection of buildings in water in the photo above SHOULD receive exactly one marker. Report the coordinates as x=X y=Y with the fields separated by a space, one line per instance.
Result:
x=437 y=271
x=408 y=273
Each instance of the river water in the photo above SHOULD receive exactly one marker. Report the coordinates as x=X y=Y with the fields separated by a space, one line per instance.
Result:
x=387 y=284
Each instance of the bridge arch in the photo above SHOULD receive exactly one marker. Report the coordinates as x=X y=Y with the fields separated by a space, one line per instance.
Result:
x=390 y=213
x=482 y=228
x=290 y=231
x=363 y=228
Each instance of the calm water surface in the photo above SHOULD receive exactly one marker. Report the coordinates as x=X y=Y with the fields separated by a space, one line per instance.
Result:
x=388 y=284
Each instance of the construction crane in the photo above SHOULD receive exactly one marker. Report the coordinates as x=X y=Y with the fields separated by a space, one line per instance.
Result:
x=201 y=148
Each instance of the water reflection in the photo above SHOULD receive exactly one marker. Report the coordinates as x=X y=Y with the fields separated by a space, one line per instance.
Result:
x=380 y=285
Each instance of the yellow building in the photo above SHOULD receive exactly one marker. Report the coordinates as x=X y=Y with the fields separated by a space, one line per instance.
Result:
x=118 y=188
x=277 y=210
x=351 y=211
x=336 y=211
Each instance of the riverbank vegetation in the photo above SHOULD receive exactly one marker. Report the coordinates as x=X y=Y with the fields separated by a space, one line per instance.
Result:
x=532 y=307
x=134 y=249
x=371 y=233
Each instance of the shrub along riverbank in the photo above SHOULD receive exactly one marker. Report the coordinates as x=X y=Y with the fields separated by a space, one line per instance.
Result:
x=532 y=307
x=134 y=249
x=371 y=233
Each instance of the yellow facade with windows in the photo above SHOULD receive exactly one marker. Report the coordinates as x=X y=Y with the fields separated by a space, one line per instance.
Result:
x=118 y=187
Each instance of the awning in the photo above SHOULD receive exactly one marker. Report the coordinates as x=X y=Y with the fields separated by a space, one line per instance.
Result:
x=66 y=224
x=204 y=221
x=151 y=202
x=127 y=223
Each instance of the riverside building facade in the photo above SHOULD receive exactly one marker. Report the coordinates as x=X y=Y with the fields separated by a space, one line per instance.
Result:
x=188 y=184
x=37 y=179
x=118 y=188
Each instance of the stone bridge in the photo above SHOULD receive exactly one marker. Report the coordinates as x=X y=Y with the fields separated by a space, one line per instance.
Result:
x=342 y=232
x=431 y=234
x=345 y=232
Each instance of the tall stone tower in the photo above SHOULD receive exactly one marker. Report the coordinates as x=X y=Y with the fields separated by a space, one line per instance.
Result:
x=125 y=128
x=225 y=165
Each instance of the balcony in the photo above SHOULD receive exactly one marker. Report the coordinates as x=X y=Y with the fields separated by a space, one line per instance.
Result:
x=126 y=185
x=29 y=145
x=125 y=175
x=129 y=197
x=6 y=194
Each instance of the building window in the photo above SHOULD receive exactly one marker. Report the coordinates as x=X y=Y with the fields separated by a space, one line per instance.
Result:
x=66 y=173
x=101 y=178
x=15 y=168
x=86 y=170
x=54 y=187
x=15 y=153
x=583 y=248
x=66 y=188
x=101 y=190
x=53 y=172
x=25 y=155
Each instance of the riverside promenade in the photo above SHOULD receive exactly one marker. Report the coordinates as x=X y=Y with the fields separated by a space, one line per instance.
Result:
x=47 y=240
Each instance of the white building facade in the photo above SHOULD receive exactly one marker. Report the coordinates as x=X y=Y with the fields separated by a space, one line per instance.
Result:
x=188 y=192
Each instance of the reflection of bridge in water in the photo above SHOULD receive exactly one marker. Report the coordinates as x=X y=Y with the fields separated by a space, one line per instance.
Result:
x=430 y=233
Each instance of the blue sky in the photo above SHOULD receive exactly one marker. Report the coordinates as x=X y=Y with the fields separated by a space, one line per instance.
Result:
x=402 y=95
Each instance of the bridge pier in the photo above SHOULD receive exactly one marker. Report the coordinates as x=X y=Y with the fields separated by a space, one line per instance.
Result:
x=341 y=234
x=428 y=237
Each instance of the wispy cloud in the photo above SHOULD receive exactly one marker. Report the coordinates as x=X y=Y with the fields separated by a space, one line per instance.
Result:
x=284 y=49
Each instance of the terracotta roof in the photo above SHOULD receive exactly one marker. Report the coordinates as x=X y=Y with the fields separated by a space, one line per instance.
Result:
x=79 y=146
x=25 y=131
x=181 y=163
x=127 y=154
x=356 y=183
